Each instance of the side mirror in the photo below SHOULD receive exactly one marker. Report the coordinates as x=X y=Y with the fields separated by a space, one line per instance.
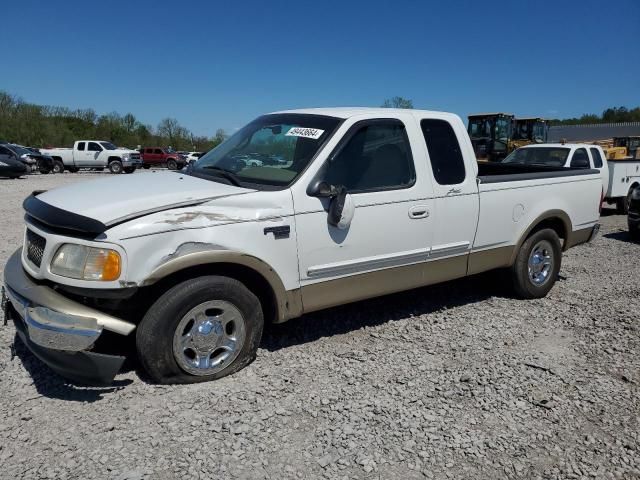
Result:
x=322 y=190
x=341 y=207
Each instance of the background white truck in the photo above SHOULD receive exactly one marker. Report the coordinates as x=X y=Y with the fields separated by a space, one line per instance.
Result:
x=624 y=177
x=365 y=202
x=96 y=154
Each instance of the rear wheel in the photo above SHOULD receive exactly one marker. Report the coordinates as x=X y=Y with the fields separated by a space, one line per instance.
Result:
x=202 y=329
x=537 y=265
x=172 y=164
x=146 y=167
x=58 y=166
x=115 y=166
x=622 y=204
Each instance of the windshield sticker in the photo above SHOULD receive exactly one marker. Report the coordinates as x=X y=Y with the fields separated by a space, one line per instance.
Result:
x=314 y=133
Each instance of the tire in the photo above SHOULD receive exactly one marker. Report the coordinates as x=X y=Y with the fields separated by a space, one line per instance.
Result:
x=545 y=245
x=129 y=169
x=146 y=167
x=115 y=166
x=634 y=233
x=58 y=166
x=172 y=164
x=73 y=169
x=163 y=355
x=622 y=204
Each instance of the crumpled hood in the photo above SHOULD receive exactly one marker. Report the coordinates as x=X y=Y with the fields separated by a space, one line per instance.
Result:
x=117 y=198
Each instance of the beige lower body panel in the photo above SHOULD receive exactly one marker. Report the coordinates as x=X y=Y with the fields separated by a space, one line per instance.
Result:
x=381 y=282
x=578 y=237
x=490 y=259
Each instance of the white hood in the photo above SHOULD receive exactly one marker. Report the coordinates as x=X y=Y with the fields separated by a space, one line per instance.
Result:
x=115 y=198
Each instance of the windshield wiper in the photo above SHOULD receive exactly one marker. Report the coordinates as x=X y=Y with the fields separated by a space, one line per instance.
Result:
x=226 y=174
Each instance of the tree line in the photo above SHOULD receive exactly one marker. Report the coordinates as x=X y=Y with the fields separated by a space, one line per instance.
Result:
x=610 y=115
x=42 y=125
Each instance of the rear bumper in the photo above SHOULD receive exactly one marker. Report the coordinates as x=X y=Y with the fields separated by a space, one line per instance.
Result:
x=59 y=331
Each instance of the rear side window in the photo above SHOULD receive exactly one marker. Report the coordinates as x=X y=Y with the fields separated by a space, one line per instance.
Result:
x=81 y=146
x=158 y=151
x=597 y=158
x=377 y=156
x=580 y=159
x=444 y=151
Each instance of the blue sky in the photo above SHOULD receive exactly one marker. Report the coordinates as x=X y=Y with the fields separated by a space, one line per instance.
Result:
x=219 y=64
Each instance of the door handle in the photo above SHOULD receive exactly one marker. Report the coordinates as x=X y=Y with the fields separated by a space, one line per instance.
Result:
x=454 y=190
x=419 y=211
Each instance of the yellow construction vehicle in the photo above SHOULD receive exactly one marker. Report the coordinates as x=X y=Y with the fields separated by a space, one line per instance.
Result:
x=491 y=135
x=496 y=135
x=527 y=131
x=623 y=148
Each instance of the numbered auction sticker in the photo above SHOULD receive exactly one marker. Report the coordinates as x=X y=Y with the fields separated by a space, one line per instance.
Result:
x=314 y=133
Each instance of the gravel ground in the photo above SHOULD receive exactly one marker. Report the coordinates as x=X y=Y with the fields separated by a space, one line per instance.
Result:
x=452 y=381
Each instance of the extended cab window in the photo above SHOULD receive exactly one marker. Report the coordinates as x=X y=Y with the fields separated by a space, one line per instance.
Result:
x=157 y=151
x=580 y=159
x=81 y=146
x=444 y=151
x=377 y=156
x=597 y=158
x=94 y=147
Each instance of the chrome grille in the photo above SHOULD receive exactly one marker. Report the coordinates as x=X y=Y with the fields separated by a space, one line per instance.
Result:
x=35 y=247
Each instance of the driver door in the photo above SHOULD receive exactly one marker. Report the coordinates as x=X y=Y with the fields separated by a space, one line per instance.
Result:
x=385 y=246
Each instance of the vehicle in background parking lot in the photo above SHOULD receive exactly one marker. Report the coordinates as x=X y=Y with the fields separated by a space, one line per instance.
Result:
x=10 y=166
x=160 y=156
x=32 y=159
x=94 y=154
x=366 y=202
x=193 y=156
x=567 y=155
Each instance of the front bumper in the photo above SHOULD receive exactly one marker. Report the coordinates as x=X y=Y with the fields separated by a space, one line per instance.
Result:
x=132 y=163
x=58 y=330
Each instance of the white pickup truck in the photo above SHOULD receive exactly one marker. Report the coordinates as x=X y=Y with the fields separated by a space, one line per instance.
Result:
x=191 y=264
x=96 y=154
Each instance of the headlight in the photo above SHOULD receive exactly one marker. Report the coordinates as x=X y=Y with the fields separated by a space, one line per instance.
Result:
x=125 y=156
x=86 y=263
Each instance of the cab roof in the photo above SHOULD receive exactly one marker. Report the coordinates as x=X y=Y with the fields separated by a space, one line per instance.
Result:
x=348 y=112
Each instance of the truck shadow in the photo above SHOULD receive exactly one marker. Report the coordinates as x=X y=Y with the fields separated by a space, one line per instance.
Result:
x=381 y=310
x=50 y=384
x=309 y=328
x=621 y=236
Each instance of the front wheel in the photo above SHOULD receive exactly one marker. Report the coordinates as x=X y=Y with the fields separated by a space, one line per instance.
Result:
x=58 y=166
x=172 y=165
x=537 y=265
x=115 y=166
x=202 y=329
x=129 y=169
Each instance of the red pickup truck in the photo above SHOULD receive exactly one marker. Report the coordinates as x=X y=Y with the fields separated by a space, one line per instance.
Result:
x=158 y=156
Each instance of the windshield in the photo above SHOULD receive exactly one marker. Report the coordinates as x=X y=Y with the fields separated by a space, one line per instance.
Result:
x=522 y=131
x=543 y=156
x=108 y=146
x=539 y=132
x=480 y=128
x=272 y=150
x=20 y=150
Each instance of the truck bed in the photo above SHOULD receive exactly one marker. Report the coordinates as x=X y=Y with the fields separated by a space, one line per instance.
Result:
x=489 y=172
